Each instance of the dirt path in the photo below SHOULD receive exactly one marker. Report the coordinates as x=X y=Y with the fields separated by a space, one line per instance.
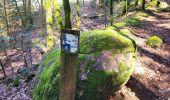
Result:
x=151 y=77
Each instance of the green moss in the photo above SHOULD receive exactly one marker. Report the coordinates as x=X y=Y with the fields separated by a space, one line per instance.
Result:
x=16 y=82
x=48 y=85
x=163 y=5
x=100 y=40
x=97 y=83
x=128 y=22
x=154 y=41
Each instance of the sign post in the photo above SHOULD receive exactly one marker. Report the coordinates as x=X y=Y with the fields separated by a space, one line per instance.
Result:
x=69 y=57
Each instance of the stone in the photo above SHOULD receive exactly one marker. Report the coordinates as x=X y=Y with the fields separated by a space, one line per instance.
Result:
x=105 y=63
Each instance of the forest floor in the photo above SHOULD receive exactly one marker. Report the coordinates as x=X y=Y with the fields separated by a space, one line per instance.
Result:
x=151 y=78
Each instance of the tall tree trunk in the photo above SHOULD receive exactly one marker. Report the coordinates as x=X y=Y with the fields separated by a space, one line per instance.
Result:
x=78 y=14
x=19 y=13
x=30 y=18
x=105 y=13
x=25 y=11
x=67 y=11
x=111 y=12
x=57 y=14
x=143 y=4
x=127 y=6
x=136 y=3
x=6 y=17
x=42 y=14
x=49 y=25
x=158 y=3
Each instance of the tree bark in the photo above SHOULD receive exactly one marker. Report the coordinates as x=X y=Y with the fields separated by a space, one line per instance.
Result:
x=143 y=4
x=78 y=14
x=67 y=11
x=136 y=3
x=57 y=14
x=49 y=25
x=6 y=17
x=30 y=18
x=19 y=13
x=111 y=12
x=158 y=3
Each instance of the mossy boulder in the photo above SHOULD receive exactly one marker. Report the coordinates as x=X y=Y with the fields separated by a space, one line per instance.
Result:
x=105 y=63
x=154 y=41
x=164 y=7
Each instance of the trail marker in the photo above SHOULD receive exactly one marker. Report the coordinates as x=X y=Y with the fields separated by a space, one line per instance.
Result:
x=69 y=57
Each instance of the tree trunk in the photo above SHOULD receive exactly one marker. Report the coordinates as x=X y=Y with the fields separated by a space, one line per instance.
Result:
x=136 y=3
x=30 y=18
x=20 y=15
x=158 y=3
x=111 y=12
x=6 y=17
x=49 y=25
x=42 y=14
x=143 y=4
x=25 y=11
x=67 y=11
x=78 y=14
x=57 y=14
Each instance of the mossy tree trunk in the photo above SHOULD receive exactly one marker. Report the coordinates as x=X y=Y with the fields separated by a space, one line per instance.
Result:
x=25 y=11
x=143 y=4
x=78 y=14
x=27 y=15
x=42 y=14
x=6 y=17
x=136 y=3
x=126 y=5
x=158 y=3
x=57 y=14
x=111 y=12
x=50 y=37
x=20 y=15
x=30 y=18
x=67 y=11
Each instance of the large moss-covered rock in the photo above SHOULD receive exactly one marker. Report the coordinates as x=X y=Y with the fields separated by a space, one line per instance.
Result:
x=106 y=61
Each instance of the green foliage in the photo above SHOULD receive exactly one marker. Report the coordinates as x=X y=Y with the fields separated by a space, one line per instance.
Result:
x=15 y=82
x=154 y=41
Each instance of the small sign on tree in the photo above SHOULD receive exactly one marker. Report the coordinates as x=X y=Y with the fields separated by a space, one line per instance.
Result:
x=69 y=57
x=69 y=42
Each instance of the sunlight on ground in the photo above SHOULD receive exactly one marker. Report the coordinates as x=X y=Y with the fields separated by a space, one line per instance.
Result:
x=141 y=70
x=164 y=25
